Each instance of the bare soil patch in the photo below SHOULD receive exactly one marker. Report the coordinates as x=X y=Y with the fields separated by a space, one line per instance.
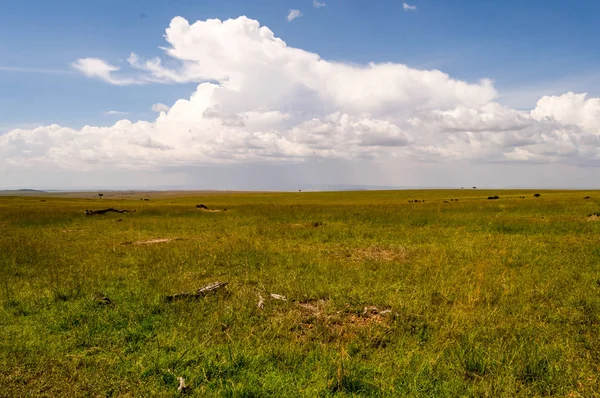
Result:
x=593 y=217
x=317 y=315
x=150 y=241
x=314 y=307
x=376 y=253
x=298 y=225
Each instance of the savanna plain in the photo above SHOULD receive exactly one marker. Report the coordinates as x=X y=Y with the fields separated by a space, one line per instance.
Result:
x=328 y=294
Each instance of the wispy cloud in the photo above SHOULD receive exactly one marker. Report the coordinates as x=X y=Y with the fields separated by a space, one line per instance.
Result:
x=115 y=113
x=318 y=4
x=99 y=69
x=408 y=7
x=33 y=70
x=293 y=15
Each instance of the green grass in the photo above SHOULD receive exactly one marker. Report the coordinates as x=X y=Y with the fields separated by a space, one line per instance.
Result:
x=487 y=298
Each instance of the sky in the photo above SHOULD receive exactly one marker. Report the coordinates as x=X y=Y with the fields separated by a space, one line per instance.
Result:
x=289 y=94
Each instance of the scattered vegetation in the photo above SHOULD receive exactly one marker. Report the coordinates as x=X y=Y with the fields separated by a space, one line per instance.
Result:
x=319 y=294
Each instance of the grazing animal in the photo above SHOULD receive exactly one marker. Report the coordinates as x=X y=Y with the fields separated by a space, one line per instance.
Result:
x=493 y=197
x=201 y=207
x=587 y=197
x=536 y=195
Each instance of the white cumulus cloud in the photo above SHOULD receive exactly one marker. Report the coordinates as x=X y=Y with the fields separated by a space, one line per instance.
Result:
x=116 y=113
x=293 y=14
x=260 y=101
x=318 y=4
x=408 y=7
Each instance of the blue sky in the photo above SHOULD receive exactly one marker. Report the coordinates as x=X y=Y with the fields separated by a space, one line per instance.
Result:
x=524 y=46
x=529 y=49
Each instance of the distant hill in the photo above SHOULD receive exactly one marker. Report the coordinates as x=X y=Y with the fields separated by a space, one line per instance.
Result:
x=20 y=192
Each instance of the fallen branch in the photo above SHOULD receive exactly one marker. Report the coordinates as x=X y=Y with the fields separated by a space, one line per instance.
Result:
x=278 y=297
x=102 y=212
x=198 y=293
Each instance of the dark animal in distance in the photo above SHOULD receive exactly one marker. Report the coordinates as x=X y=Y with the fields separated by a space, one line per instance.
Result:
x=493 y=197
x=536 y=195
x=587 y=197
x=201 y=207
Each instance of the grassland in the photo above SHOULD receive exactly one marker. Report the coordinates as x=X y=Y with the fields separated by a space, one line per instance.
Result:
x=475 y=297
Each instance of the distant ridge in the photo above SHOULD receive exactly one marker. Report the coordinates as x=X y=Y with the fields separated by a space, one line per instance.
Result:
x=25 y=191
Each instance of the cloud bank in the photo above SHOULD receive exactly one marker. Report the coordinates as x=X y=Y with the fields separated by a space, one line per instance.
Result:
x=260 y=101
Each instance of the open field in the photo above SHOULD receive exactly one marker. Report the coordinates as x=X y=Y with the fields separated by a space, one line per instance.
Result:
x=475 y=297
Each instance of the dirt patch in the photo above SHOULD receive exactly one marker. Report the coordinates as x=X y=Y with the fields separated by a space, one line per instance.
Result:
x=370 y=315
x=317 y=317
x=314 y=307
x=364 y=321
x=150 y=241
x=593 y=217
x=376 y=253
x=72 y=230
x=212 y=211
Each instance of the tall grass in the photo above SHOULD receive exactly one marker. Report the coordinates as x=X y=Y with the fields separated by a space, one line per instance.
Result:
x=473 y=297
